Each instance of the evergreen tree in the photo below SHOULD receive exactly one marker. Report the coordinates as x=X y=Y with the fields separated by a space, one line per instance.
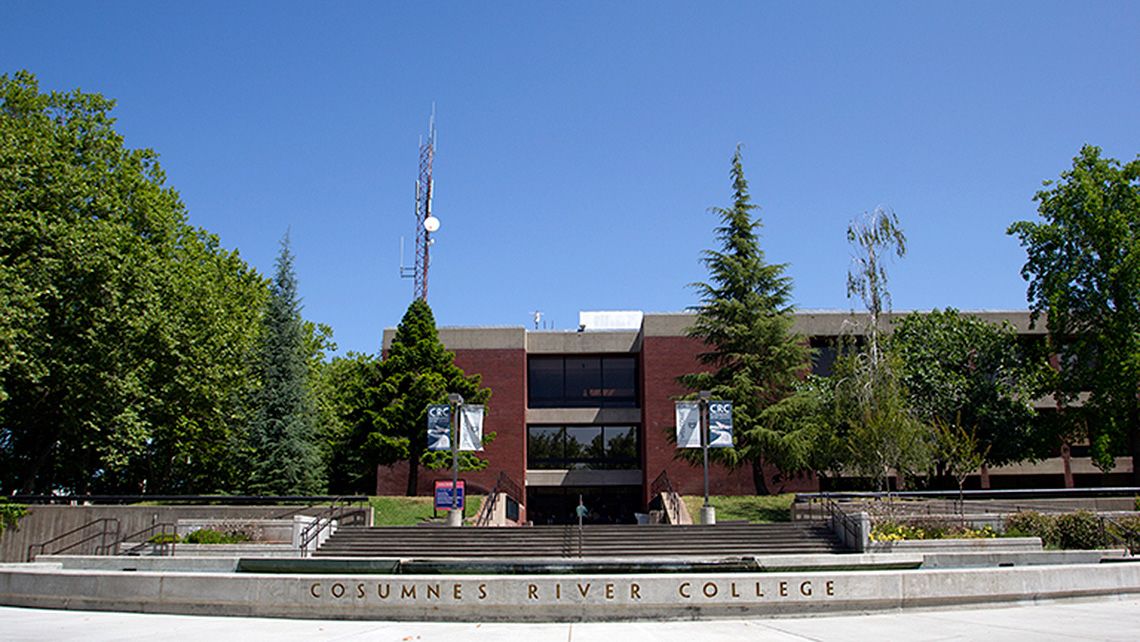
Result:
x=745 y=320
x=417 y=371
x=285 y=458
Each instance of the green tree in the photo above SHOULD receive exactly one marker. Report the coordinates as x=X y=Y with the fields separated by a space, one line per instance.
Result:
x=417 y=371
x=870 y=397
x=124 y=331
x=283 y=436
x=745 y=320
x=1083 y=269
x=342 y=386
x=959 y=370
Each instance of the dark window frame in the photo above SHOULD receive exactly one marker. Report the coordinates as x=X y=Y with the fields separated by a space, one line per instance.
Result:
x=605 y=462
x=599 y=397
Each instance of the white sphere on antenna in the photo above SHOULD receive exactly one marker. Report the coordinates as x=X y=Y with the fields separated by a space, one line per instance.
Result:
x=431 y=223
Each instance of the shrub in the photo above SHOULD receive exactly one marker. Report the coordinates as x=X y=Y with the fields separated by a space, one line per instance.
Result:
x=163 y=538
x=10 y=513
x=1031 y=523
x=1081 y=530
x=211 y=536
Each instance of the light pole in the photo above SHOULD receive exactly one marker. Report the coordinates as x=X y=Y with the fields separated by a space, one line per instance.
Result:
x=708 y=513
x=455 y=515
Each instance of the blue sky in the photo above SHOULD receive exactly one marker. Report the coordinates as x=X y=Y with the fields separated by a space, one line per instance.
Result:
x=582 y=143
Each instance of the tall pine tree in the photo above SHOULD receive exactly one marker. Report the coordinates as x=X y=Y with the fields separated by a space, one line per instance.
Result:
x=745 y=320
x=285 y=458
x=417 y=371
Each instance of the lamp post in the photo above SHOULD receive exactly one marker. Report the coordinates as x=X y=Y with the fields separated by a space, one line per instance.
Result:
x=708 y=512
x=455 y=515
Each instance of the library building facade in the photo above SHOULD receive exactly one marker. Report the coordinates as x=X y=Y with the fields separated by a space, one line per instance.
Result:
x=587 y=415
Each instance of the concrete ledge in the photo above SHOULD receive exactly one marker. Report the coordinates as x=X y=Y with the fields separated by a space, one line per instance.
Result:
x=1014 y=544
x=546 y=598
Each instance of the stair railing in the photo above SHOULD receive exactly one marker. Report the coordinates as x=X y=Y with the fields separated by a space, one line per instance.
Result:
x=663 y=487
x=337 y=512
x=160 y=537
x=505 y=485
x=104 y=529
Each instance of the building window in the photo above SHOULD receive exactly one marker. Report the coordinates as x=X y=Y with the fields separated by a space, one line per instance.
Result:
x=582 y=382
x=592 y=447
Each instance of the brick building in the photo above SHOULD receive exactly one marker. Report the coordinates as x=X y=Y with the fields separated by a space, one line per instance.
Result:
x=588 y=413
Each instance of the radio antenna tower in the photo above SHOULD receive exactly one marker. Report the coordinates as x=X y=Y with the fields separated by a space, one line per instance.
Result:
x=426 y=224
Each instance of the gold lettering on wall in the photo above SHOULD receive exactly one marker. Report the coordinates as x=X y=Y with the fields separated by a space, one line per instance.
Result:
x=383 y=590
x=315 y=590
x=482 y=591
x=457 y=591
x=433 y=589
x=635 y=591
x=682 y=590
x=531 y=592
x=407 y=591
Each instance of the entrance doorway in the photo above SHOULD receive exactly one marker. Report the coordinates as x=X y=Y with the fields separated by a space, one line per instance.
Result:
x=606 y=504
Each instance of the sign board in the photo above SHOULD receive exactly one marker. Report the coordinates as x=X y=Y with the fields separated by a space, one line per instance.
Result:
x=443 y=494
x=720 y=424
x=688 y=424
x=471 y=427
x=439 y=427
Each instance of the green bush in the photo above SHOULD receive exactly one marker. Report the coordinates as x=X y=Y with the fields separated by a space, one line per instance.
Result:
x=1080 y=530
x=10 y=513
x=1031 y=523
x=163 y=538
x=211 y=536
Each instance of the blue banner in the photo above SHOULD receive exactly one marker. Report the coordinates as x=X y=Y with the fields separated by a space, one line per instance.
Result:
x=720 y=424
x=439 y=427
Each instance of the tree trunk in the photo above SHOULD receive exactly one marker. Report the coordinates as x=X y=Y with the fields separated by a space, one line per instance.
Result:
x=1067 y=463
x=413 y=475
x=1134 y=443
x=759 y=480
x=985 y=477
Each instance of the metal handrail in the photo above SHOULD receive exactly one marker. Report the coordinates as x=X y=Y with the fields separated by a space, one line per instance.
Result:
x=1027 y=493
x=1129 y=537
x=161 y=529
x=337 y=511
x=662 y=486
x=307 y=500
x=504 y=484
x=102 y=534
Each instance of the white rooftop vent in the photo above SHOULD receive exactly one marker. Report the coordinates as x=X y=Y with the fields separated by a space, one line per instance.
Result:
x=610 y=320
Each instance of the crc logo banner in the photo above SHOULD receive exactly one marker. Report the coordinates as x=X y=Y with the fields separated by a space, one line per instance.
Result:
x=471 y=427
x=439 y=426
x=688 y=424
x=720 y=424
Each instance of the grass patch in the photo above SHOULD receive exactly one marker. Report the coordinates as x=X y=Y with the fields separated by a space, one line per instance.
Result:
x=409 y=511
x=757 y=509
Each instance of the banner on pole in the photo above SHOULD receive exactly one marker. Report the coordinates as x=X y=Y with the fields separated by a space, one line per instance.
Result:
x=688 y=424
x=439 y=426
x=720 y=424
x=471 y=427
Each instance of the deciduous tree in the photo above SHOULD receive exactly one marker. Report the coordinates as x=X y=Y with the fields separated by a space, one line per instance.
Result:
x=1083 y=269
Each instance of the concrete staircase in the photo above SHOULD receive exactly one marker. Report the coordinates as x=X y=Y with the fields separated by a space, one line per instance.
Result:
x=630 y=541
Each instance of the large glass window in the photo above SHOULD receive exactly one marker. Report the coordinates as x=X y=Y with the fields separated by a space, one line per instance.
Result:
x=593 y=447
x=582 y=382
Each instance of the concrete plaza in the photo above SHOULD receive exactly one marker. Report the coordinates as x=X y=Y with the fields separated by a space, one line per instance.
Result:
x=1064 y=620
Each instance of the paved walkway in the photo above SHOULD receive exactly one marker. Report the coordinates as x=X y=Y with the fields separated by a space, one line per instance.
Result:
x=1063 y=621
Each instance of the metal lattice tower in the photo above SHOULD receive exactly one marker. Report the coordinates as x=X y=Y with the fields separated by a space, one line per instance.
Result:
x=424 y=188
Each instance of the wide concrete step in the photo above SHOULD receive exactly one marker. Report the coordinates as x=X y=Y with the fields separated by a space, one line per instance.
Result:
x=594 y=540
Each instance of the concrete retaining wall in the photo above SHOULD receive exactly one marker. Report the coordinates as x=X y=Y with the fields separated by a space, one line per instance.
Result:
x=44 y=522
x=552 y=598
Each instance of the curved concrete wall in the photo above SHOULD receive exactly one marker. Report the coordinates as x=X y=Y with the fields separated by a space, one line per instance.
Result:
x=551 y=598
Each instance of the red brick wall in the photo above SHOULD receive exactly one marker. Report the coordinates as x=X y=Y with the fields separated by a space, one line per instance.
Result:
x=504 y=372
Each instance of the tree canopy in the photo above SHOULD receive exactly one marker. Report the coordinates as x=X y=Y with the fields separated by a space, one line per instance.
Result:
x=416 y=372
x=125 y=333
x=959 y=370
x=1083 y=270
x=744 y=319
